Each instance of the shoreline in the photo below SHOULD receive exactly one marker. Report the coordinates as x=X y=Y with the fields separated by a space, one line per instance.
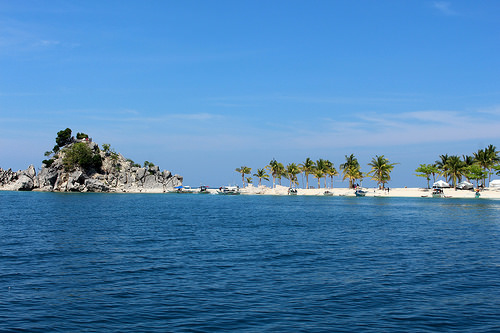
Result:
x=487 y=193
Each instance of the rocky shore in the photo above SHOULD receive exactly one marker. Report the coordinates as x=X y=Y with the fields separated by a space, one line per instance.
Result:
x=116 y=174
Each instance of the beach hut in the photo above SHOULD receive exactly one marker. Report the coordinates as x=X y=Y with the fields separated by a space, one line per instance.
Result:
x=495 y=184
x=465 y=185
x=441 y=184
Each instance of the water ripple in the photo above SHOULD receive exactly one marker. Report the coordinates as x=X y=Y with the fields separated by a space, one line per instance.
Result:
x=114 y=263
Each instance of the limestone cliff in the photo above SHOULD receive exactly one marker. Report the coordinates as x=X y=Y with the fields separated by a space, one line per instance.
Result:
x=113 y=173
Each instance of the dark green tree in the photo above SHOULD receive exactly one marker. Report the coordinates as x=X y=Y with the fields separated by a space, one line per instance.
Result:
x=80 y=136
x=80 y=155
x=63 y=137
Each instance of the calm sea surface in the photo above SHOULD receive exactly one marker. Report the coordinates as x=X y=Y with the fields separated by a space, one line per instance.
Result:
x=202 y=263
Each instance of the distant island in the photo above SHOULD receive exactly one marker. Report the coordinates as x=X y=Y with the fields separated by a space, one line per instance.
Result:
x=77 y=164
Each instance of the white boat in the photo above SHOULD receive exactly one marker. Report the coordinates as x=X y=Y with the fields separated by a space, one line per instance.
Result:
x=229 y=190
x=360 y=193
x=328 y=193
x=183 y=189
x=438 y=193
x=292 y=191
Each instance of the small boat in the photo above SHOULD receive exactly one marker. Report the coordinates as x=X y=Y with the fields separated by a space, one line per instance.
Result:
x=328 y=193
x=360 y=193
x=203 y=190
x=437 y=193
x=229 y=190
x=292 y=191
x=183 y=189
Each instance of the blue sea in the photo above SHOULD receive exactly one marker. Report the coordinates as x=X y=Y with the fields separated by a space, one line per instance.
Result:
x=209 y=263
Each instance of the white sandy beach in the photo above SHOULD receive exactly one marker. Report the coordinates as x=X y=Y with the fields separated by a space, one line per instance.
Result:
x=488 y=193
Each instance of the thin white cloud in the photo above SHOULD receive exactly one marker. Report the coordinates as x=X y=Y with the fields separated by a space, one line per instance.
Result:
x=435 y=126
x=134 y=116
x=444 y=7
x=46 y=43
x=494 y=110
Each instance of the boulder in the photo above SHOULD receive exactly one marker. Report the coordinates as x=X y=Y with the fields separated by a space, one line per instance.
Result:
x=166 y=174
x=141 y=172
x=150 y=183
x=24 y=183
x=94 y=185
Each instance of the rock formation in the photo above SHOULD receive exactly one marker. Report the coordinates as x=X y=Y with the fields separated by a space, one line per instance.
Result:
x=116 y=174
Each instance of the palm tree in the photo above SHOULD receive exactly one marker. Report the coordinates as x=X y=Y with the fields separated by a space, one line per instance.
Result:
x=273 y=169
x=322 y=165
x=497 y=169
x=442 y=166
x=331 y=171
x=318 y=174
x=481 y=158
x=292 y=170
x=475 y=172
x=456 y=168
x=468 y=162
x=493 y=158
x=425 y=170
x=434 y=171
x=244 y=170
x=261 y=174
x=281 y=171
x=351 y=169
x=381 y=169
x=307 y=168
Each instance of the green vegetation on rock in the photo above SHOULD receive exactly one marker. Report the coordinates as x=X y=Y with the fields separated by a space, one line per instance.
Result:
x=80 y=154
x=63 y=138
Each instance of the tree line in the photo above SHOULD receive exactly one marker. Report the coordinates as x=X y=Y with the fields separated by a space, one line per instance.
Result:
x=479 y=166
x=380 y=172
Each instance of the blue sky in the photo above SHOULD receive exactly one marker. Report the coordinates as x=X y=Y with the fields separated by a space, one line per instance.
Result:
x=203 y=87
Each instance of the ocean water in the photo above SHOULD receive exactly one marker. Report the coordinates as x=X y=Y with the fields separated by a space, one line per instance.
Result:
x=208 y=263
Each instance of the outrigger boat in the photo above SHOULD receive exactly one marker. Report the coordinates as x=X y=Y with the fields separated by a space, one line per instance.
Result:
x=292 y=191
x=183 y=189
x=203 y=190
x=360 y=193
x=437 y=193
x=229 y=190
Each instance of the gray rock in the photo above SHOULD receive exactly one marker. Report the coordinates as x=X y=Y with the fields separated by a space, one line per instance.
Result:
x=77 y=177
x=150 y=183
x=24 y=183
x=30 y=172
x=94 y=185
x=141 y=172
x=47 y=177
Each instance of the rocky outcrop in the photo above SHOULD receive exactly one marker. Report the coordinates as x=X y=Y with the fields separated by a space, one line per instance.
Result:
x=22 y=180
x=116 y=174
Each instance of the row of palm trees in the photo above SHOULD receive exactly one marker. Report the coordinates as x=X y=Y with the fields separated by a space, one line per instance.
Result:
x=476 y=167
x=321 y=169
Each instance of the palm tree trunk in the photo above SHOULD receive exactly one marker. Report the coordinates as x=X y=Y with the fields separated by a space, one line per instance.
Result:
x=307 y=180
